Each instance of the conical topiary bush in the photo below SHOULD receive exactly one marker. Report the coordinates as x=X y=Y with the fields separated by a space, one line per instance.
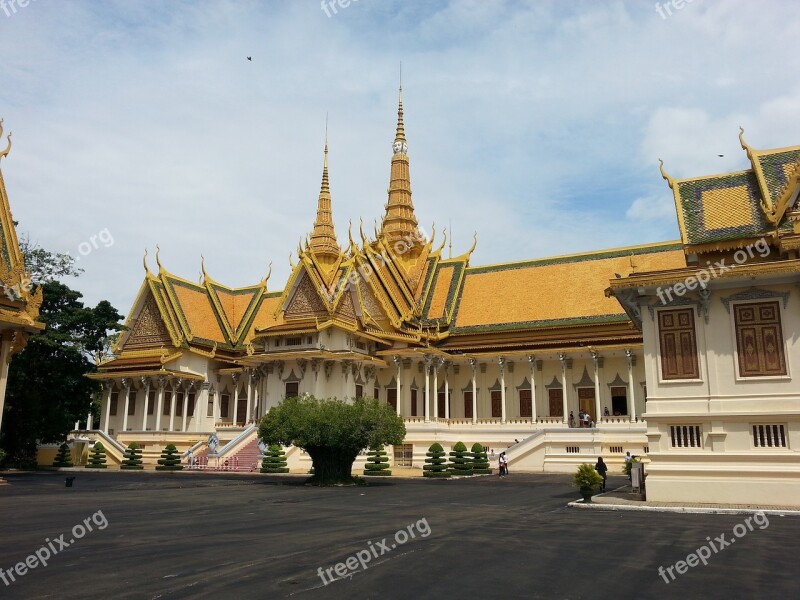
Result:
x=132 y=459
x=170 y=459
x=460 y=460
x=436 y=463
x=98 y=458
x=377 y=463
x=480 y=462
x=274 y=460
x=64 y=456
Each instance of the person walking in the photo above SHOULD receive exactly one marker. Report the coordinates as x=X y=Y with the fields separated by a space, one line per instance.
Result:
x=601 y=468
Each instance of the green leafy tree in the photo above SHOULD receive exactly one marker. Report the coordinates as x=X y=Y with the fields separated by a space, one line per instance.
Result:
x=170 y=459
x=480 y=462
x=377 y=464
x=64 y=456
x=274 y=460
x=47 y=391
x=132 y=459
x=98 y=458
x=332 y=432
x=460 y=460
x=436 y=462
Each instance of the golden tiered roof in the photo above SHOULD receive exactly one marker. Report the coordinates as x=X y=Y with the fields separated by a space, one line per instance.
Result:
x=395 y=288
x=19 y=304
x=731 y=210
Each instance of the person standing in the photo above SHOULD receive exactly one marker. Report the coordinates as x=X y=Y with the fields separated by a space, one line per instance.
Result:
x=503 y=464
x=586 y=419
x=601 y=468
x=571 y=419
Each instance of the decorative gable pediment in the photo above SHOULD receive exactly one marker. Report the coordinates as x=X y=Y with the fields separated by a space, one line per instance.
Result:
x=148 y=331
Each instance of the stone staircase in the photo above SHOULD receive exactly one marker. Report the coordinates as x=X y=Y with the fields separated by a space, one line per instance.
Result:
x=247 y=458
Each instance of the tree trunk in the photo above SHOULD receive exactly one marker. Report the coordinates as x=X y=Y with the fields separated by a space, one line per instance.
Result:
x=331 y=465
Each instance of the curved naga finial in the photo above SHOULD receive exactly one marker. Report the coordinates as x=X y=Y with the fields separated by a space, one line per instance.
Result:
x=158 y=259
x=8 y=148
x=745 y=145
x=203 y=267
x=269 y=274
x=144 y=262
x=474 y=243
x=291 y=264
x=668 y=179
x=350 y=233
x=444 y=240
x=361 y=231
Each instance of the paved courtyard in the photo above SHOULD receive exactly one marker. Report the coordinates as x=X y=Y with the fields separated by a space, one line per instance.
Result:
x=243 y=536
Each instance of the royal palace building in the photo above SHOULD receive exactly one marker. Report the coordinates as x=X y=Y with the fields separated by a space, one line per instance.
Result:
x=681 y=352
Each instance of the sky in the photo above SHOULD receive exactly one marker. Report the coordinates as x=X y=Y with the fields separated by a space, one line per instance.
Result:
x=537 y=124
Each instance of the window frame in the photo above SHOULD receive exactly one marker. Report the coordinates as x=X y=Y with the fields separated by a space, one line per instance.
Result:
x=735 y=342
x=697 y=349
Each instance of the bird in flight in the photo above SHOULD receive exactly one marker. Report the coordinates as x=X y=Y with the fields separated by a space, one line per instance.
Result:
x=720 y=155
x=250 y=58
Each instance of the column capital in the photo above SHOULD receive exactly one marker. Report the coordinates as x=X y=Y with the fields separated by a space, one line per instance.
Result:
x=397 y=360
x=501 y=360
x=531 y=360
x=631 y=357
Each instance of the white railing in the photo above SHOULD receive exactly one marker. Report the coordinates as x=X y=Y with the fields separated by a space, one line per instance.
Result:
x=113 y=447
x=193 y=449
x=236 y=442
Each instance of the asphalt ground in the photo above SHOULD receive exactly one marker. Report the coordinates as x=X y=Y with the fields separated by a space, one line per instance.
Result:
x=192 y=535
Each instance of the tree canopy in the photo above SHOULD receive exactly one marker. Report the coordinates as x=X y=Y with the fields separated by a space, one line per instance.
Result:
x=47 y=391
x=332 y=431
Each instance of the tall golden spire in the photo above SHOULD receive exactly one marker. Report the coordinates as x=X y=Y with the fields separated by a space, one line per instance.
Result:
x=399 y=220
x=323 y=237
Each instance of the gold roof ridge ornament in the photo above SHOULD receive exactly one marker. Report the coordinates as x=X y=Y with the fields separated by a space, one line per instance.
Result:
x=322 y=242
x=269 y=274
x=670 y=180
x=158 y=259
x=147 y=272
x=745 y=146
x=5 y=152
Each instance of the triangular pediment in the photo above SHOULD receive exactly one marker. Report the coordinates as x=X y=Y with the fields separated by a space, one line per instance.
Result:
x=305 y=301
x=148 y=329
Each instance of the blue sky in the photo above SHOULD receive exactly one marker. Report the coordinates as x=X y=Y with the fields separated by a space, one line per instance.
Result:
x=538 y=124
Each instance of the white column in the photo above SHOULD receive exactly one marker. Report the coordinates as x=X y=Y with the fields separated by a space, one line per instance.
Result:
x=532 y=363
x=107 y=414
x=89 y=421
x=474 y=363
x=502 y=362
x=160 y=404
x=173 y=399
x=631 y=387
x=435 y=367
x=235 y=378
x=427 y=388
x=446 y=392
x=185 y=424
x=217 y=408
x=201 y=406
x=597 y=360
x=5 y=357
x=248 y=414
x=399 y=363
x=563 y=358
x=146 y=385
x=127 y=389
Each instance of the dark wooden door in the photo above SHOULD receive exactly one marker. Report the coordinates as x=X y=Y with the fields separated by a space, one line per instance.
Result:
x=525 y=404
x=497 y=402
x=556 y=398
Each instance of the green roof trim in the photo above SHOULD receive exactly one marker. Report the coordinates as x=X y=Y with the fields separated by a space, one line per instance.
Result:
x=543 y=324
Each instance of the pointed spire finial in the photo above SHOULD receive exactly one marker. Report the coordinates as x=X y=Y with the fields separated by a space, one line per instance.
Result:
x=323 y=237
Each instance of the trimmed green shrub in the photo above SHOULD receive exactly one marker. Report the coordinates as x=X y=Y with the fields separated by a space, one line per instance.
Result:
x=64 y=456
x=274 y=460
x=170 y=459
x=377 y=463
x=98 y=458
x=132 y=459
x=436 y=463
x=480 y=462
x=460 y=460
x=587 y=480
